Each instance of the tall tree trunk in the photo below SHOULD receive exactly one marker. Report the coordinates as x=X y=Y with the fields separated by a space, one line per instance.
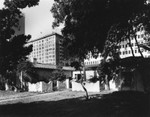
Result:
x=138 y=46
x=83 y=78
x=131 y=46
x=107 y=87
x=84 y=72
x=21 y=80
x=86 y=92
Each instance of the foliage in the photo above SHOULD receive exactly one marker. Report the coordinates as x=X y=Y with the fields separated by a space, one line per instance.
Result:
x=20 y=4
x=87 y=22
x=76 y=65
x=12 y=48
x=112 y=44
x=93 y=79
x=14 y=52
x=104 y=69
x=102 y=25
x=57 y=75
x=28 y=72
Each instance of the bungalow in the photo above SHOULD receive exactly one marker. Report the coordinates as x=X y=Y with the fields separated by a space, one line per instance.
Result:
x=42 y=82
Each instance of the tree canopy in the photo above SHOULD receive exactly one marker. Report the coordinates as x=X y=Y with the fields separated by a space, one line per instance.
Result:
x=12 y=47
x=87 y=22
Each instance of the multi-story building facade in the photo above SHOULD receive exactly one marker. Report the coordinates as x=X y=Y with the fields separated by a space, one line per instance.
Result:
x=47 y=49
x=125 y=50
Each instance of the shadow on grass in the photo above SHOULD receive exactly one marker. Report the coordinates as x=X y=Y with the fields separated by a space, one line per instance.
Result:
x=117 y=104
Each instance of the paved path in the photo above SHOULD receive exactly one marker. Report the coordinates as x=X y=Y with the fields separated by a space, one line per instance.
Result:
x=53 y=96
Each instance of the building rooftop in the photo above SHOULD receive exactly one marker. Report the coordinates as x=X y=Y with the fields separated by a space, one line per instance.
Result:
x=50 y=66
x=45 y=37
x=45 y=66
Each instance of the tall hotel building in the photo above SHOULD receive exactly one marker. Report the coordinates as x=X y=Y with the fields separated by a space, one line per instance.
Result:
x=47 y=49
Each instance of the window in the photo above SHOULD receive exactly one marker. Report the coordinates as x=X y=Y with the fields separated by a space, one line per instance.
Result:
x=129 y=51
x=132 y=44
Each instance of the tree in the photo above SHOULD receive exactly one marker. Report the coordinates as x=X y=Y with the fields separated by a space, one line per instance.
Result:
x=98 y=24
x=26 y=73
x=12 y=48
x=87 y=22
x=126 y=32
x=58 y=75
x=78 y=65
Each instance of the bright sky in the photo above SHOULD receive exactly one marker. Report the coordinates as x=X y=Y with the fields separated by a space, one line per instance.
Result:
x=38 y=19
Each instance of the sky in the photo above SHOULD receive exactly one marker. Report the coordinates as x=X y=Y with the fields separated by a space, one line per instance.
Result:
x=38 y=19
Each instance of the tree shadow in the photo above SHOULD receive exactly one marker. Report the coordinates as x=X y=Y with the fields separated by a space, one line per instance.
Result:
x=117 y=104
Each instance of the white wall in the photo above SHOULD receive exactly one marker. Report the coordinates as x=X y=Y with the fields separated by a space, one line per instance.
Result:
x=91 y=87
x=35 y=87
x=112 y=85
x=40 y=87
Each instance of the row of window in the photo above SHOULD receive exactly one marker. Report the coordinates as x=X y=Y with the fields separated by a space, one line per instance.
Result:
x=42 y=55
x=91 y=62
x=44 y=46
x=132 y=44
x=46 y=60
x=46 y=52
x=130 y=52
x=140 y=29
x=89 y=56
x=140 y=36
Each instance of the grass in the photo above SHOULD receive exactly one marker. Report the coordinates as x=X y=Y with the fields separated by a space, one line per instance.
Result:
x=12 y=94
x=117 y=104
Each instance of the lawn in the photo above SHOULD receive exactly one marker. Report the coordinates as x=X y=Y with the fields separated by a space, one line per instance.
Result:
x=117 y=104
x=12 y=94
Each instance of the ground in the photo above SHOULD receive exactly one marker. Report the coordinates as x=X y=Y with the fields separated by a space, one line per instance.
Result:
x=73 y=104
